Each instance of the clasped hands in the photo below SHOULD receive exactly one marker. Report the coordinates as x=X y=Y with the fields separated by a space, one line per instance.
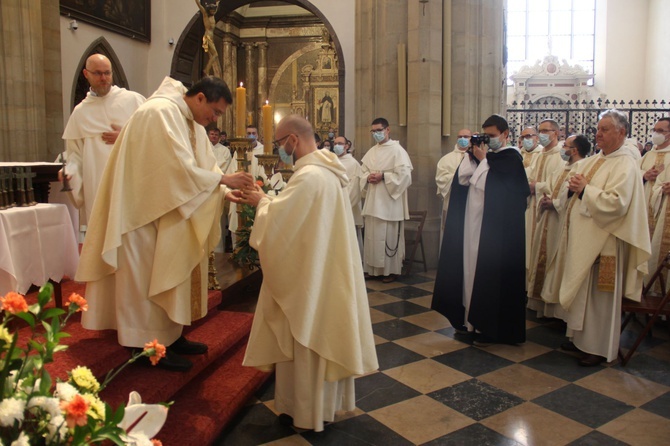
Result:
x=245 y=190
x=375 y=178
x=577 y=183
x=652 y=173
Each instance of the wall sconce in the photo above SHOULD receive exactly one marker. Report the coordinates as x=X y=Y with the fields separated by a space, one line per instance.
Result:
x=170 y=41
x=73 y=25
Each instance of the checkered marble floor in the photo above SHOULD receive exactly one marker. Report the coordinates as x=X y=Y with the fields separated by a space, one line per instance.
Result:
x=435 y=388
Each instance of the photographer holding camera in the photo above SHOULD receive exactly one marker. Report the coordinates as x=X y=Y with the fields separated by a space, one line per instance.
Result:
x=480 y=284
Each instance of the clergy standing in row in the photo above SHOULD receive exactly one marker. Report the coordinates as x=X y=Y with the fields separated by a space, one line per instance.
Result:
x=386 y=176
x=155 y=221
x=93 y=128
x=529 y=143
x=312 y=321
x=550 y=212
x=446 y=168
x=480 y=283
x=604 y=244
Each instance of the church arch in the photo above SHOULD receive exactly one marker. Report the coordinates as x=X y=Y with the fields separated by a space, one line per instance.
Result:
x=80 y=85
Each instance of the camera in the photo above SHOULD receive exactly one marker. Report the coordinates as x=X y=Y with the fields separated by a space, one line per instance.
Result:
x=477 y=139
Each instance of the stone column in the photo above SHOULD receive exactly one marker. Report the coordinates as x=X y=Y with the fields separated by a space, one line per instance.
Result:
x=31 y=114
x=250 y=73
x=262 y=85
x=227 y=61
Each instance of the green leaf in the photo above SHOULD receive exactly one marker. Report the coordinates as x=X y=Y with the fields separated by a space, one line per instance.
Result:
x=52 y=312
x=28 y=317
x=45 y=294
x=45 y=383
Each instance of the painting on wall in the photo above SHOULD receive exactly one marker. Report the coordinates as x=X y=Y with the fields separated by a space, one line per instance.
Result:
x=130 y=18
x=325 y=107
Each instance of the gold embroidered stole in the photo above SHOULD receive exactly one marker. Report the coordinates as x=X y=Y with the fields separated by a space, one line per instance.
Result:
x=196 y=274
x=660 y=160
x=527 y=156
x=665 y=238
x=538 y=178
x=540 y=271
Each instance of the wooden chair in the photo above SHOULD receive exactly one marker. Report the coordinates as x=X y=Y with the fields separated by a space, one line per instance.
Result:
x=414 y=240
x=652 y=304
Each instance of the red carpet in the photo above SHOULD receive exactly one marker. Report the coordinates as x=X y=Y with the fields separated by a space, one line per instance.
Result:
x=205 y=398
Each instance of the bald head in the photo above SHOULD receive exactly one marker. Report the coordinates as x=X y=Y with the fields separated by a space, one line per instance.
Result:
x=295 y=133
x=98 y=73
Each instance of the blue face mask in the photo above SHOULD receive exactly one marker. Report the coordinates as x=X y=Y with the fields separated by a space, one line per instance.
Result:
x=463 y=142
x=253 y=137
x=528 y=144
x=285 y=157
x=495 y=143
x=545 y=139
x=338 y=149
x=565 y=155
x=379 y=136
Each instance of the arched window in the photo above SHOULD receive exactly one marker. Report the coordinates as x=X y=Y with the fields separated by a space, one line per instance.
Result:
x=561 y=28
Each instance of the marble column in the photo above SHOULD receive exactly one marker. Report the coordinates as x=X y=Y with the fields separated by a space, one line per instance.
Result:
x=262 y=83
x=251 y=83
x=227 y=61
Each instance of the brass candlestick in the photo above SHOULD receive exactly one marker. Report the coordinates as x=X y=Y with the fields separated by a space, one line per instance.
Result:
x=286 y=174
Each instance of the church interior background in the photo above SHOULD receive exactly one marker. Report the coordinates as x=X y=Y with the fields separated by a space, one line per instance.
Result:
x=431 y=67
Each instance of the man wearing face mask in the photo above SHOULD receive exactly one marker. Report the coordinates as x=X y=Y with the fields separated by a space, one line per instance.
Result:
x=654 y=162
x=386 y=176
x=545 y=241
x=446 y=168
x=312 y=322
x=530 y=145
x=480 y=283
x=353 y=168
x=544 y=164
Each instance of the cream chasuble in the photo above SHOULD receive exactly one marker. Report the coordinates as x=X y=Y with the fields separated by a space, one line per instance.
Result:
x=602 y=252
x=87 y=153
x=446 y=168
x=660 y=240
x=543 y=166
x=153 y=226
x=312 y=319
x=661 y=159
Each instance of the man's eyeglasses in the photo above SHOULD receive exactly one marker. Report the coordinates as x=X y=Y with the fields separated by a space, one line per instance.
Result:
x=527 y=136
x=378 y=130
x=278 y=142
x=100 y=73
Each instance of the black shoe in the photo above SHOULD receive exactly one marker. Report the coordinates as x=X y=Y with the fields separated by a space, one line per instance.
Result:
x=171 y=361
x=591 y=360
x=481 y=340
x=183 y=346
x=285 y=419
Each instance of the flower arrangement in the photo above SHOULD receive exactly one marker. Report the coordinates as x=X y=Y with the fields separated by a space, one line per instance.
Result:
x=34 y=411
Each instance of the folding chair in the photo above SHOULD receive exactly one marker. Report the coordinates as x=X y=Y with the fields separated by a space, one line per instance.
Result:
x=652 y=303
x=414 y=240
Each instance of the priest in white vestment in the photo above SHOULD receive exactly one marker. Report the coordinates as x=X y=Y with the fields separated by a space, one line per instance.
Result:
x=550 y=208
x=604 y=244
x=659 y=210
x=529 y=143
x=653 y=163
x=312 y=321
x=92 y=130
x=156 y=219
x=353 y=168
x=543 y=165
x=386 y=176
x=446 y=168
x=221 y=152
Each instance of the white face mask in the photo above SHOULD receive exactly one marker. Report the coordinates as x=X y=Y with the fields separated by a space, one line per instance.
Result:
x=657 y=138
x=379 y=136
x=338 y=149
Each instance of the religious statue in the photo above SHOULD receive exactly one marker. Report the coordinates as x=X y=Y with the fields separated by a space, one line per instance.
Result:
x=208 y=12
x=326 y=106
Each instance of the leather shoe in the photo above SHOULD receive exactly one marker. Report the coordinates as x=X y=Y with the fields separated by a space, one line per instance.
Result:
x=183 y=346
x=171 y=361
x=591 y=360
x=481 y=340
x=388 y=279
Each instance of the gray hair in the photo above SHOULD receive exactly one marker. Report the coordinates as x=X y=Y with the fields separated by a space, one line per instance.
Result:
x=620 y=119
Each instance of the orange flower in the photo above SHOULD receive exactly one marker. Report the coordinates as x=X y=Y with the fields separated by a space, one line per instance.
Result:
x=260 y=183
x=155 y=442
x=77 y=300
x=75 y=411
x=156 y=351
x=14 y=303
